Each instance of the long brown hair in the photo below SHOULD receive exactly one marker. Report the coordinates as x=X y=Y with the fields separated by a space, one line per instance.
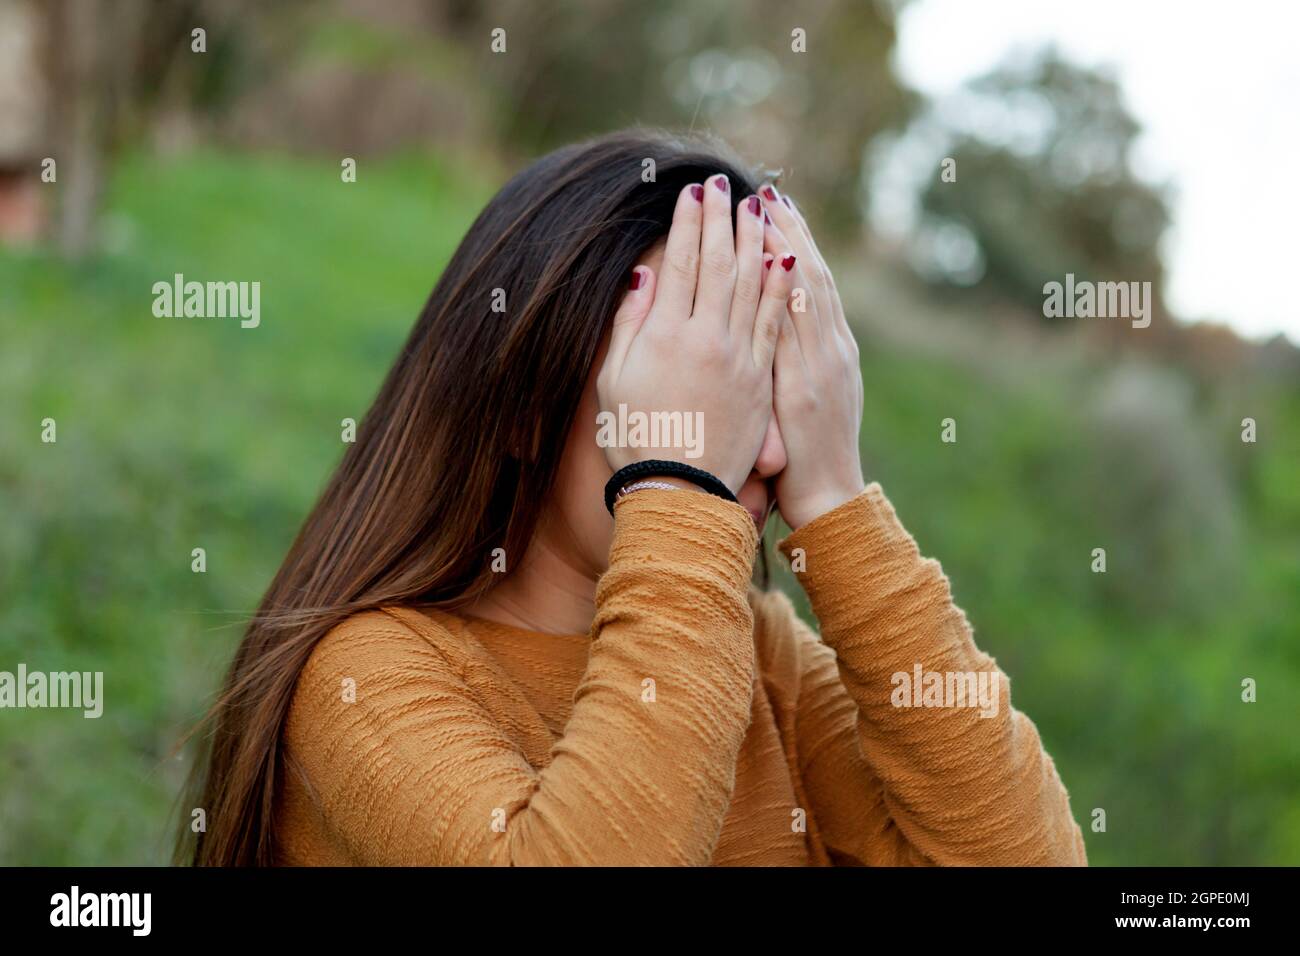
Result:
x=456 y=454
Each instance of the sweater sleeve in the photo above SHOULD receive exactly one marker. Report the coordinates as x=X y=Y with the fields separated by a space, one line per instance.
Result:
x=418 y=771
x=900 y=771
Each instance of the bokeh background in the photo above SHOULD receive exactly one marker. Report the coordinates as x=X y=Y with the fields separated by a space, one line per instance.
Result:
x=183 y=433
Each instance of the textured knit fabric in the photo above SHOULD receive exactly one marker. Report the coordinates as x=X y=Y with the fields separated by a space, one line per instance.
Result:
x=700 y=722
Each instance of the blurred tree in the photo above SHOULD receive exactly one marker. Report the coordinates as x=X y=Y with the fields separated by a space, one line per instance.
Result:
x=572 y=70
x=797 y=92
x=111 y=66
x=1045 y=184
x=80 y=38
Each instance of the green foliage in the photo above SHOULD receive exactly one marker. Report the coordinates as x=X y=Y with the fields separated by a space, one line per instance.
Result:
x=175 y=434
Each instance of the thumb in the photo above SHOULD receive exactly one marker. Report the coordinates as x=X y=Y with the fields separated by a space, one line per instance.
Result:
x=631 y=314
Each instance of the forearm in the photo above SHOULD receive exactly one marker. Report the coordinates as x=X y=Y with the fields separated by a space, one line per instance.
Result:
x=662 y=711
x=964 y=775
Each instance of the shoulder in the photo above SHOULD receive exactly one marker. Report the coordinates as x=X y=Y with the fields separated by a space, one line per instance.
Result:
x=375 y=658
x=373 y=640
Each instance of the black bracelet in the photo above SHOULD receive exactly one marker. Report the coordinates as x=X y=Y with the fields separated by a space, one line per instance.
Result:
x=676 y=469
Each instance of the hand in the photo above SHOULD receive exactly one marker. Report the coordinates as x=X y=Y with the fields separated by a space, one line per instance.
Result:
x=702 y=342
x=818 y=380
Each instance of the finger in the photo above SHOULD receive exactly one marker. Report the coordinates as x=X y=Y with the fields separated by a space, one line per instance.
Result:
x=840 y=322
x=788 y=362
x=772 y=307
x=785 y=208
x=821 y=259
x=631 y=315
x=681 y=266
x=717 y=254
x=792 y=225
x=784 y=216
x=802 y=304
x=774 y=240
x=823 y=276
x=749 y=267
x=787 y=357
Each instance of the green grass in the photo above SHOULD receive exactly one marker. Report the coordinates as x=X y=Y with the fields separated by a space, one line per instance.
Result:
x=175 y=434
x=183 y=433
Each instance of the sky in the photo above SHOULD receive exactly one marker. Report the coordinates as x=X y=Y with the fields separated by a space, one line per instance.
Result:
x=1214 y=86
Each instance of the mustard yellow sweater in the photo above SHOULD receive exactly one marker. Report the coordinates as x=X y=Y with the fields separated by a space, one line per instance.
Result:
x=700 y=722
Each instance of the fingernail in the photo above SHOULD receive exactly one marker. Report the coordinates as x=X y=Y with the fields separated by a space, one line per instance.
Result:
x=721 y=183
x=769 y=193
x=767 y=261
x=767 y=220
x=754 y=205
x=786 y=200
x=698 y=192
x=637 y=279
x=787 y=263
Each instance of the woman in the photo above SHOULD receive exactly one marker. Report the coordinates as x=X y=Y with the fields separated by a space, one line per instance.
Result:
x=468 y=659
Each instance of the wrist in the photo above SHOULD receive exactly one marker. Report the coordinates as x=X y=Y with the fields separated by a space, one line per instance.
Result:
x=673 y=480
x=809 y=508
x=652 y=470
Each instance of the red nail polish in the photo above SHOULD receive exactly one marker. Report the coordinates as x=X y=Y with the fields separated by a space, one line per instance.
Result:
x=637 y=278
x=753 y=205
x=767 y=262
x=767 y=220
x=787 y=263
x=721 y=183
x=770 y=193
x=698 y=192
